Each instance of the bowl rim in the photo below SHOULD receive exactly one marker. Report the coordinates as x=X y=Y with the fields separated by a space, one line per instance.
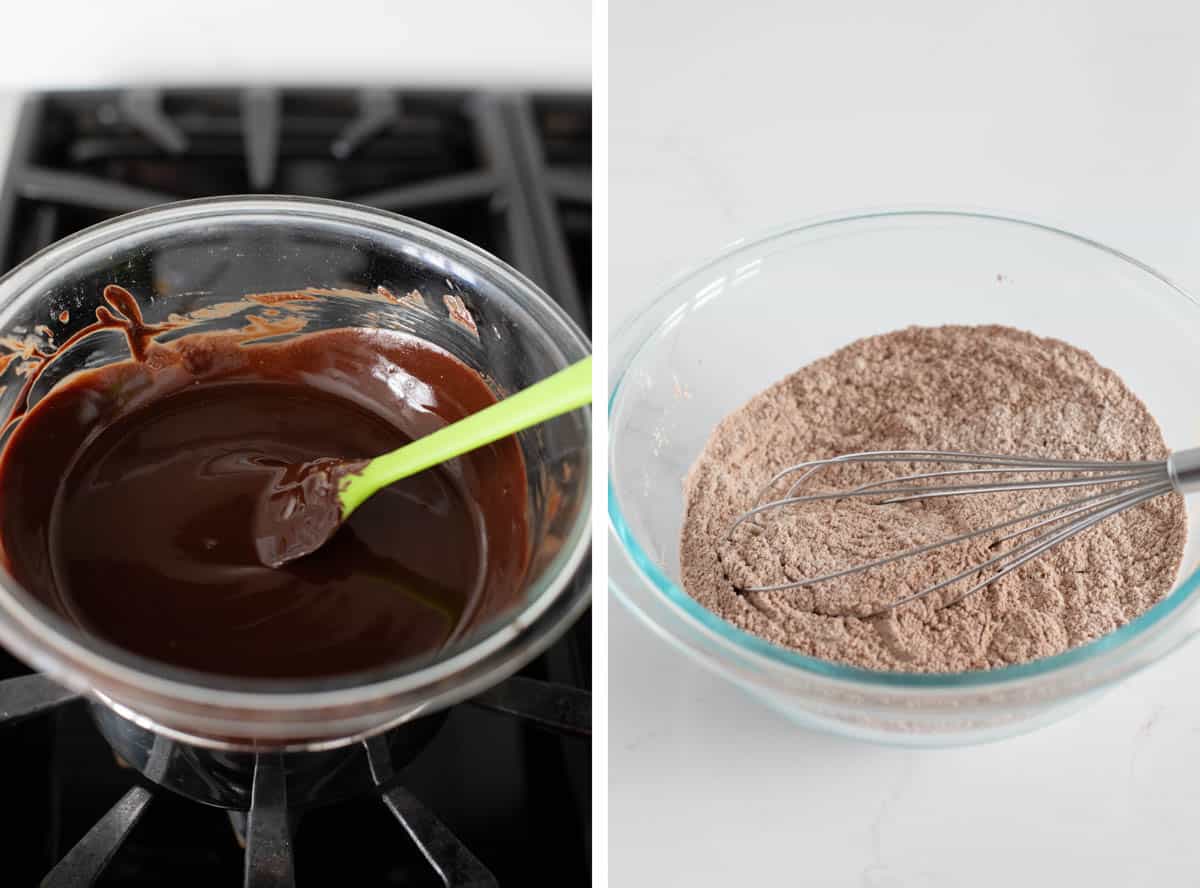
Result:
x=692 y=612
x=90 y=664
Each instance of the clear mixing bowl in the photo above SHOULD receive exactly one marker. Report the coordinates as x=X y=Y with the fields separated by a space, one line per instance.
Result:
x=764 y=308
x=192 y=264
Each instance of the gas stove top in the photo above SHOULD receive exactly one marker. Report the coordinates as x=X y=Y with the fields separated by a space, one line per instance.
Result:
x=496 y=793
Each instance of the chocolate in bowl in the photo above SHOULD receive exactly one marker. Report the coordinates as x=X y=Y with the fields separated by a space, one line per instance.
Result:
x=126 y=498
x=310 y=266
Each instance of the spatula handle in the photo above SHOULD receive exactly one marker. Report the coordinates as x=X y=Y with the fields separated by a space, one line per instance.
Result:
x=555 y=395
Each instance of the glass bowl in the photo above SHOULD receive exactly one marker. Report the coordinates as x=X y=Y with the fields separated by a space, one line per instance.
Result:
x=764 y=308
x=193 y=265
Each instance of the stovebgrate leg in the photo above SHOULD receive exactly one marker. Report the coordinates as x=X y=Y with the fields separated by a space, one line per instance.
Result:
x=30 y=695
x=86 y=861
x=143 y=108
x=455 y=188
x=237 y=821
x=83 y=190
x=558 y=707
x=377 y=109
x=450 y=859
x=457 y=866
x=268 y=836
x=511 y=199
x=569 y=185
x=260 y=126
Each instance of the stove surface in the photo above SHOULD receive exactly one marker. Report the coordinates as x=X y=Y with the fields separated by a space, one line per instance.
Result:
x=509 y=172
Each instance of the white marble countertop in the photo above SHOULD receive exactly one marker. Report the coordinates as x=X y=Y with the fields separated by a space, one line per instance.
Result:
x=727 y=122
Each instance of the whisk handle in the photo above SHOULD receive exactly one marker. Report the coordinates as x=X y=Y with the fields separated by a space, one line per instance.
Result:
x=1183 y=468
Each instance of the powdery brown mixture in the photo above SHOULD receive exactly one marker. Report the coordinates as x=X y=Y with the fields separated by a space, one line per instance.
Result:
x=986 y=389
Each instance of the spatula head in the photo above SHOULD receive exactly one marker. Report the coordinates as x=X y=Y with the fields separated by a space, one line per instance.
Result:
x=301 y=509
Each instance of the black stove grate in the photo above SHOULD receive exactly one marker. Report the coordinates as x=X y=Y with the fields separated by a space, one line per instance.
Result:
x=509 y=172
x=495 y=796
x=435 y=854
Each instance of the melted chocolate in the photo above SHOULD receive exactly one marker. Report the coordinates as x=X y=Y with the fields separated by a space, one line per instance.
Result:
x=128 y=496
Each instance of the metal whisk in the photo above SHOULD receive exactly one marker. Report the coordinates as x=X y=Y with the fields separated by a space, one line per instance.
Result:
x=1123 y=485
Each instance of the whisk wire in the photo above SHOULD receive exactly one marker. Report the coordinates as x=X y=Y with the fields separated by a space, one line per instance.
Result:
x=1127 y=484
x=1074 y=507
x=925 y=476
x=1030 y=550
x=906 y=494
x=951 y=457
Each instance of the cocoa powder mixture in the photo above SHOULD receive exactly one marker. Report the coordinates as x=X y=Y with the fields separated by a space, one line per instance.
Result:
x=986 y=389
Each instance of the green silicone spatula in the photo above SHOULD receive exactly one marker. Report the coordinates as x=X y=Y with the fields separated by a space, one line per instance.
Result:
x=311 y=500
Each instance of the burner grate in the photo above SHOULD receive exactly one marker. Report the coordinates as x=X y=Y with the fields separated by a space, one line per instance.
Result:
x=268 y=858
x=507 y=171
x=510 y=172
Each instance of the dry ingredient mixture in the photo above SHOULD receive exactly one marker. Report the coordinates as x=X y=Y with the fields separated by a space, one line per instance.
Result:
x=986 y=389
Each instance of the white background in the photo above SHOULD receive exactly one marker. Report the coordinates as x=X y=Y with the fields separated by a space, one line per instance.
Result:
x=726 y=120
x=232 y=41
